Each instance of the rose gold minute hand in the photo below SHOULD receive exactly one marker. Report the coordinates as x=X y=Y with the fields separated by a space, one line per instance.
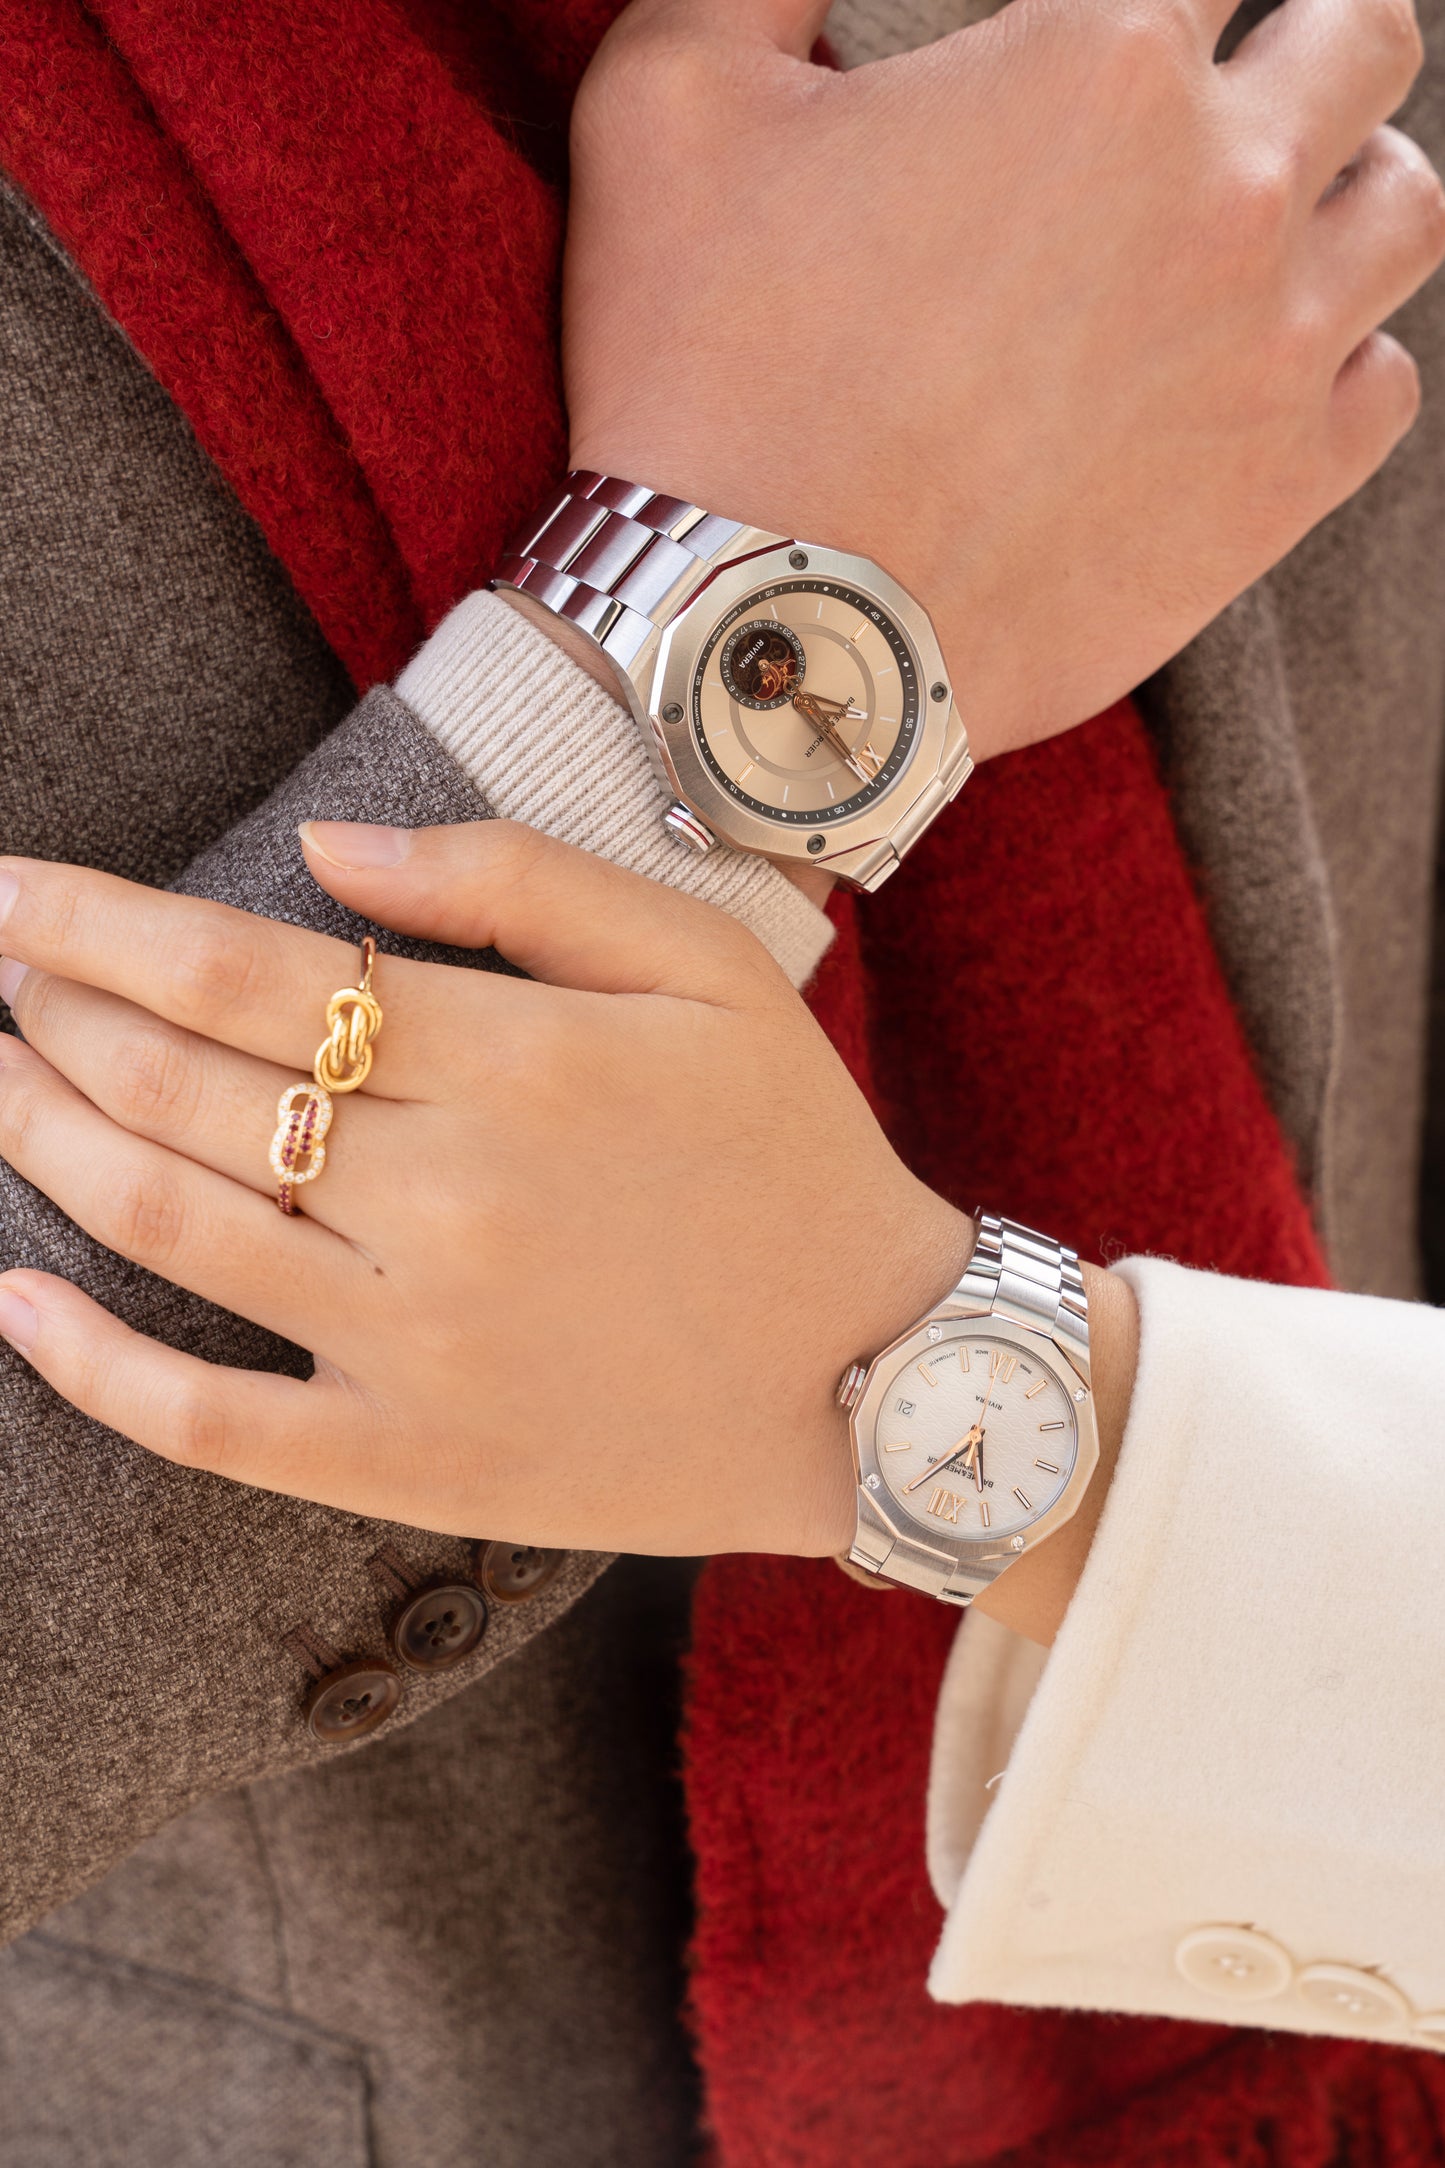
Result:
x=826 y=723
x=970 y=1444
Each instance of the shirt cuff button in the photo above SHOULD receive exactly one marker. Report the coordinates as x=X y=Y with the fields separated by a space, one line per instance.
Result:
x=1353 y=1999
x=1234 y=1964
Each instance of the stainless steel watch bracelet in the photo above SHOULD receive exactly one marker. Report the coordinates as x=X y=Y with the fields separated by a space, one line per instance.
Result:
x=616 y=558
x=1021 y=1278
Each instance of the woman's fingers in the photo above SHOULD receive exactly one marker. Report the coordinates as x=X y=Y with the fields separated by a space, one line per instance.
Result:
x=246 y=981
x=202 y=1099
x=184 y=1222
x=1379 y=234
x=1322 y=75
x=274 y=1432
x=563 y=914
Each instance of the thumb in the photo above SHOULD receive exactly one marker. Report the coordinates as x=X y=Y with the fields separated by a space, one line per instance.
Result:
x=561 y=914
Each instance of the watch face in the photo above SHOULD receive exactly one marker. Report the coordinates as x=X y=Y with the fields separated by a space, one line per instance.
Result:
x=976 y=1438
x=805 y=702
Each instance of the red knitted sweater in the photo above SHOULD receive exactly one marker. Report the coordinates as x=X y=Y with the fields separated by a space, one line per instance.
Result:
x=341 y=261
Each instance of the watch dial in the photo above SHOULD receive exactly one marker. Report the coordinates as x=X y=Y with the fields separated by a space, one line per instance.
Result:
x=976 y=1438
x=805 y=702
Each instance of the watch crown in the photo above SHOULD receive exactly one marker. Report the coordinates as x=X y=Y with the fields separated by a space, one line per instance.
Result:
x=682 y=822
x=850 y=1385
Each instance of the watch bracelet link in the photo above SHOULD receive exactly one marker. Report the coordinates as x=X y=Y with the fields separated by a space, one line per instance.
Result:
x=1021 y=1278
x=615 y=558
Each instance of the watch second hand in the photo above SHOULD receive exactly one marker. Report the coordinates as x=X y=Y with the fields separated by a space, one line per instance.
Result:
x=969 y=1444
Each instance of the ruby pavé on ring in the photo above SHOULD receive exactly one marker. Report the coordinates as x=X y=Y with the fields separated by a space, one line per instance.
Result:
x=304 y=1112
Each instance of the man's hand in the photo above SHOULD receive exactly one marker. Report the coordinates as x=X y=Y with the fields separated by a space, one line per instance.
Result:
x=1111 y=307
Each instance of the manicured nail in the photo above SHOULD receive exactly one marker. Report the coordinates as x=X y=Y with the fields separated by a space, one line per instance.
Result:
x=9 y=891
x=11 y=975
x=18 y=1321
x=356 y=846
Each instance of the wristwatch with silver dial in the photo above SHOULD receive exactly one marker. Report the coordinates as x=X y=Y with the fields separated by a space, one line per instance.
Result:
x=794 y=699
x=974 y=1435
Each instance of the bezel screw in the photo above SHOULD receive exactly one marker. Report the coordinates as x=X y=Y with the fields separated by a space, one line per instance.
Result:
x=935 y=1332
x=672 y=713
x=798 y=559
x=871 y=1481
x=815 y=843
x=938 y=691
x=1016 y=1543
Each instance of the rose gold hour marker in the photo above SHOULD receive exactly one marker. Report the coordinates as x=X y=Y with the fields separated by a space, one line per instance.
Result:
x=1034 y=1390
x=1051 y=1426
x=926 y=1374
x=897 y=1448
x=1002 y=1366
x=983 y=1511
x=944 y=1505
x=962 y=1357
x=1024 y=1500
x=1050 y=1467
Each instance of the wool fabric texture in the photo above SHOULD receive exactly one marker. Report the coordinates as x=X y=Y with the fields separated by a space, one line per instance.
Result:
x=332 y=228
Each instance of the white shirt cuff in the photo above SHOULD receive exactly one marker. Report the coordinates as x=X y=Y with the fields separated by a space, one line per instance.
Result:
x=1224 y=1788
x=546 y=745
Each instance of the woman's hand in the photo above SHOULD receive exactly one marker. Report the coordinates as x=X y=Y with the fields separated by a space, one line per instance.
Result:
x=1071 y=327
x=590 y=1249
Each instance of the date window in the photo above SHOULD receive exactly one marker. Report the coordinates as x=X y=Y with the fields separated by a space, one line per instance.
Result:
x=905 y=1407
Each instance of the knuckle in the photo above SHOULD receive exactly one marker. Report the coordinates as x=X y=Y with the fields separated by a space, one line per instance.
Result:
x=1396 y=28
x=20 y=1105
x=1294 y=358
x=1425 y=191
x=152 y=1078
x=650 y=74
x=1263 y=189
x=195 y=1430
x=1402 y=374
x=143 y=1217
x=1140 y=50
x=216 y=967
x=514 y=848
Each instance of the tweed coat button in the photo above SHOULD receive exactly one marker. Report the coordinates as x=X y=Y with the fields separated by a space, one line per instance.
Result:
x=352 y=1700
x=516 y=1572
x=1352 y=1998
x=438 y=1626
x=1235 y=1964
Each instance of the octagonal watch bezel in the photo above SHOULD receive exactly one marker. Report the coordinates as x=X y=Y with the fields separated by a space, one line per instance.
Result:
x=983 y=1558
x=664 y=682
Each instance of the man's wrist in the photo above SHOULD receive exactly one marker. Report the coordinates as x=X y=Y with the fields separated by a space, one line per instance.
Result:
x=813 y=881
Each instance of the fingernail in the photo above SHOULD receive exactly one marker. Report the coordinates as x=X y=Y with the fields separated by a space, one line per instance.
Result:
x=9 y=892
x=356 y=846
x=11 y=975
x=18 y=1321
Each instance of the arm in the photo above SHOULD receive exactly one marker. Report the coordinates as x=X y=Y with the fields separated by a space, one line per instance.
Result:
x=1223 y=1784
x=1212 y=1709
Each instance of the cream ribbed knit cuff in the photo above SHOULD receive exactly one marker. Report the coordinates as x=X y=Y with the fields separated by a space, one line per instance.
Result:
x=545 y=744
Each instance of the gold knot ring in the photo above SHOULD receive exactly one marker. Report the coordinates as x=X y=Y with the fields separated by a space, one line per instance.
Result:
x=343 y=1064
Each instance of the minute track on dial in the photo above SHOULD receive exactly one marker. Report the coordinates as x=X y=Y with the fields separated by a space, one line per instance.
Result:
x=787 y=750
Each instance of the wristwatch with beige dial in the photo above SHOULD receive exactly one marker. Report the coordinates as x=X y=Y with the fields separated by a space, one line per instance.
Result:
x=794 y=699
x=974 y=1435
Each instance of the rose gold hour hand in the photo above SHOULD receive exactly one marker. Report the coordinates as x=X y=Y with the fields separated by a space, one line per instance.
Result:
x=809 y=705
x=970 y=1444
